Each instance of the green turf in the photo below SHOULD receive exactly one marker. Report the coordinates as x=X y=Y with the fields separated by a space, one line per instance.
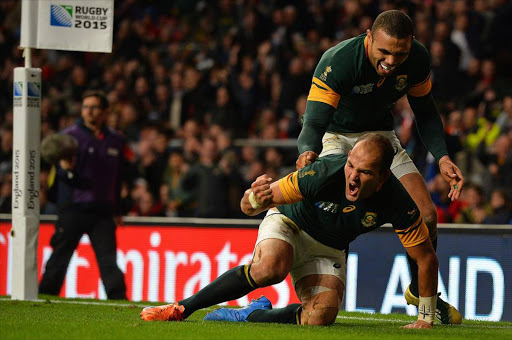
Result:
x=72 y=319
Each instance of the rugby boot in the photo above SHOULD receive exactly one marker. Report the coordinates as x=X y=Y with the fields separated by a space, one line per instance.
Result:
x=171 y=312
x=445 y=313
x=239 y=314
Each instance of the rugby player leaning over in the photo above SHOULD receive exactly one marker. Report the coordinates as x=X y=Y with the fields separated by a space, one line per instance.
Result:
x=353 y=90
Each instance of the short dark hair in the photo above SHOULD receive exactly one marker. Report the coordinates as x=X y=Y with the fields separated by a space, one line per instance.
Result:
x=384 y=145
x=395 y=23
x=98 y=94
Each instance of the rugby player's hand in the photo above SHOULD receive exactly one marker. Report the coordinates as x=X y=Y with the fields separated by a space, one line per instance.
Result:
x=305 y=158
x=262 y=192
x=453 y=176
x=418 y=324
x=258 y=197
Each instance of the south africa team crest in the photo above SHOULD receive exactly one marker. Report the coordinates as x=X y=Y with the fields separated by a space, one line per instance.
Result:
x=369 y=220
x=401 y=82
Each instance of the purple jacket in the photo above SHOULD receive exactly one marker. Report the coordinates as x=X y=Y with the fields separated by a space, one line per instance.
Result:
x=95 y=183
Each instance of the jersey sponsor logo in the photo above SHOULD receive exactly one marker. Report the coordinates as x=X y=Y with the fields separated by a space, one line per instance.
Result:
x=306 y=173
x=363 y=89
x=401 y=82
x=349 y=208
x=369 y=219
x=323 y=76
x=328 y=206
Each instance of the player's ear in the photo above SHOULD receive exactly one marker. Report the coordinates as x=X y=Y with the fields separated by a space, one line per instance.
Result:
x=369 y=34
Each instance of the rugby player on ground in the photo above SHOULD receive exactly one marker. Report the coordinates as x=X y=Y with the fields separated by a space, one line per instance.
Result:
x=337 y=198
x=353 y=90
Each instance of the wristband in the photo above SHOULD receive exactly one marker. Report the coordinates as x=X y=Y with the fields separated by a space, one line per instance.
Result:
x=427 y=309
x=252 y=200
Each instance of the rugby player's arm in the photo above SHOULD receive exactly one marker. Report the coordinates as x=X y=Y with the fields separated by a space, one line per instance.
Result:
x=417 y=243
x=315 y=121
x=263 y=195
x=430 y=127
x=321 y=104
x=429 y=124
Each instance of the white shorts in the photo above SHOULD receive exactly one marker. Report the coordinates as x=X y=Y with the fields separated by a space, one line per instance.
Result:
x=309 y=256
x=334 y=143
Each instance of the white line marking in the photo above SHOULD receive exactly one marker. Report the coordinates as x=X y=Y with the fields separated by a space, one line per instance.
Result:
x=410 y=321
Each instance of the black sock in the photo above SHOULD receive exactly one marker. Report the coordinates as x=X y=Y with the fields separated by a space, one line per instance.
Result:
x=289 y=314
x=231 y=285
x=413 y=287
x=414 y=271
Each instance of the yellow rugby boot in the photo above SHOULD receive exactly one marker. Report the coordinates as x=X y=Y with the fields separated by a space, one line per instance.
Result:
x=445 y=313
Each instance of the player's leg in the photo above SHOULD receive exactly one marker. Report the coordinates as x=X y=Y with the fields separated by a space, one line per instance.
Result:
x=319 y=275
x=64 y=242
x=271 y=263
x=336 y=143
x=102 y=234
x=321 y=297
x=319 y=281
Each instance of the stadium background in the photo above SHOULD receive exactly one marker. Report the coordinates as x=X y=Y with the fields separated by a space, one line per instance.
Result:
x=238 y=72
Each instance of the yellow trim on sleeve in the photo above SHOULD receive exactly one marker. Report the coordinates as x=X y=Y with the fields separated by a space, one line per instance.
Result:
x=289 y=186
x=417 y=233
x=320 y=83
x=320 y=92
x=421 y=89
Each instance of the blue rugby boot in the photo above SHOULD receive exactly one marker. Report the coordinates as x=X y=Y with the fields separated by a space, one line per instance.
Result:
x=239 y=314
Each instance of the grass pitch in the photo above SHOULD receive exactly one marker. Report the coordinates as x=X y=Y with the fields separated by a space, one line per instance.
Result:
x=52 y=318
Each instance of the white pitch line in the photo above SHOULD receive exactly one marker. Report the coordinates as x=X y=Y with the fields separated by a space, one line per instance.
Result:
x=371 y=319
x=96 y=303
x=407 y=321
x=113 y=304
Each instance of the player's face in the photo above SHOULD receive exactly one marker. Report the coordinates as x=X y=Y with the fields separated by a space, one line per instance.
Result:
x=362 y=173
x=385 y=52
x=92 y=113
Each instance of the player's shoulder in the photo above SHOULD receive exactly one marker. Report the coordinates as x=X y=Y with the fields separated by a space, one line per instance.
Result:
x=419 y=54
x=325 y=166
x=350 y=50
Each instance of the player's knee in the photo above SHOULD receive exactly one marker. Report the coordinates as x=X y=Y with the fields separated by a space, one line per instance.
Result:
x=430 y=218
x=266 y=273
x=321 y=309
x=322 y=316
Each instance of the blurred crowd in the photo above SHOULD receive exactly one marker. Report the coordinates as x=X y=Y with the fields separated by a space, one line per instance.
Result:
x=188 y=78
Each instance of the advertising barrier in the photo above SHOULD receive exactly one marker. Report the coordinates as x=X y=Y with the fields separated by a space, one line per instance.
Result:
x=173 y=261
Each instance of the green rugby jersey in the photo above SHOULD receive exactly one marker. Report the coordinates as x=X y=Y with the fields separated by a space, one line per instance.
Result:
x=327 y=216
x=347 y=95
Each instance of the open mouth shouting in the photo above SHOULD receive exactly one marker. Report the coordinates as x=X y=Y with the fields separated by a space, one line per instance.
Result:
x=352 y=189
